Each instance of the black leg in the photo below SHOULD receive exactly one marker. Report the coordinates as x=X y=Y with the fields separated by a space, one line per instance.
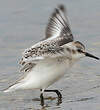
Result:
x=58 y=94
x=42 y=99
x=56 y=91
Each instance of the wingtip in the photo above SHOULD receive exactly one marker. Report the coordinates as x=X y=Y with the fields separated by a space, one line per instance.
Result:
x=5 y=90
x=61 y=7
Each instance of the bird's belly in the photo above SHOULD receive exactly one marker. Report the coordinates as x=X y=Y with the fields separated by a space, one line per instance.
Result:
x=46 y=73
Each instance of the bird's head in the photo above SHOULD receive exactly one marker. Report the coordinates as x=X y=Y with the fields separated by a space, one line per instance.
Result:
x=78 y=51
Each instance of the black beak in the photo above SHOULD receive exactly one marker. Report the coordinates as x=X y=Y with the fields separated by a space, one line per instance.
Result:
x=92 y=56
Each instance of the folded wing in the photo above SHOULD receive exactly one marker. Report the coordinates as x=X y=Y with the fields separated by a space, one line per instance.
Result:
x=32 y=56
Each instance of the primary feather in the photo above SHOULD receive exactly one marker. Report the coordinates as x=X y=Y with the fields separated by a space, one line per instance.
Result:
x=59 y=25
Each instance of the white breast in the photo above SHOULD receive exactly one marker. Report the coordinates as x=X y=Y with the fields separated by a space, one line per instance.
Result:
x=45 y=73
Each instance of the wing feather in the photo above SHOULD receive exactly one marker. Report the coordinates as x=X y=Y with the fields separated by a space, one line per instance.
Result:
x=58 y=25
x=29 y=60
x=58 y=33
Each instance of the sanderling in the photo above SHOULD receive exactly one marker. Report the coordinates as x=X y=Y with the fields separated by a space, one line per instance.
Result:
x=48 y=60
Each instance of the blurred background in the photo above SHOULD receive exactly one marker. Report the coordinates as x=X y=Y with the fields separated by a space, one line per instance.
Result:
x=22 y=24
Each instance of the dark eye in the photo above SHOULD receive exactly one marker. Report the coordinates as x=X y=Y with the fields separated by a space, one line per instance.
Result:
x=79 y=50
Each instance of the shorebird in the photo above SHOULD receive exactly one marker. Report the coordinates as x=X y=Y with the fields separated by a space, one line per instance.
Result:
x=48 y=60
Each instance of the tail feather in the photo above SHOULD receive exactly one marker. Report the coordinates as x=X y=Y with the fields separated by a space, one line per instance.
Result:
x=13 y=87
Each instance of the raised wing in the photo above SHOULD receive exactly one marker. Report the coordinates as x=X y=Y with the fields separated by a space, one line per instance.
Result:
x=58 y=25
